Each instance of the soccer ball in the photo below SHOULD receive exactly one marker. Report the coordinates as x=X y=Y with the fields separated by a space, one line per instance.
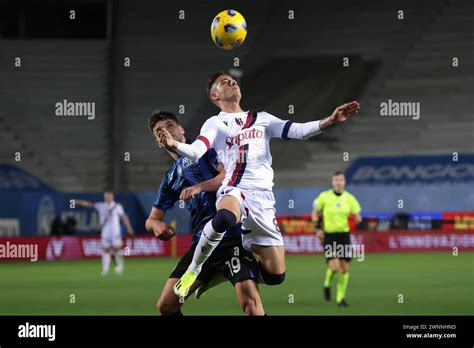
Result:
x=228 y=29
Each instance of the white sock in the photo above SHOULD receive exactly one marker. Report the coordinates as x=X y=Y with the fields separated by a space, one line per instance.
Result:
x=208 y=241
x=105 y=261
x=120 y=261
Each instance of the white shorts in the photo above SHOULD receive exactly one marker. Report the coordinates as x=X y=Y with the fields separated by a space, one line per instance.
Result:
x=111 y=240
x=259 y=223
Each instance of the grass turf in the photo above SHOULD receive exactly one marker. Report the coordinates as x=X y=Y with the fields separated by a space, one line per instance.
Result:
x=431 y=283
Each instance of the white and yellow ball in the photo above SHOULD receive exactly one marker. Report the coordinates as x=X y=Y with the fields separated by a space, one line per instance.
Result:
x=228 y=29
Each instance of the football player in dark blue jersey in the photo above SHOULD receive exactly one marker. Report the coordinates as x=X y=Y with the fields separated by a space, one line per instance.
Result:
x=196 y=183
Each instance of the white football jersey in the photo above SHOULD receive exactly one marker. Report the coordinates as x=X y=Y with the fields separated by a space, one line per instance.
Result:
x=109 y=217
x=242 y=143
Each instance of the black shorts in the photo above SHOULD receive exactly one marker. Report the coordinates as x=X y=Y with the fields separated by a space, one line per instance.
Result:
x=337 y=245
x=229 y=259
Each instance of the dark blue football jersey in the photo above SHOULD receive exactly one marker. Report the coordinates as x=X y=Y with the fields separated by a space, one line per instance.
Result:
x=185 y=173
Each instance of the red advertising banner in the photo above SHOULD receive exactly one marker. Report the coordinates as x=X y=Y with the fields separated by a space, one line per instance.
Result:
x=459 y=220
x=295 y=224
x=392 y=241
x=70 y=248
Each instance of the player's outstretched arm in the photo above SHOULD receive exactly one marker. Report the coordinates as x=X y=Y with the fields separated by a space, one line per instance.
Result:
x=307 y=130
x=205 y=186
x=84 y=203
x=340 y=115
x=154 y=224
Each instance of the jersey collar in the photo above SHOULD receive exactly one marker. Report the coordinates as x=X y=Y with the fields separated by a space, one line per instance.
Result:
x=232 y=114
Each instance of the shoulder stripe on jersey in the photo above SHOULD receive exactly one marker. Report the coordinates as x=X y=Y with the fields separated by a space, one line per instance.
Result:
x=254 y=118
x=204 y=140
x=250 y=120
x=240 y=166
x=247 y=120
x=286 y=129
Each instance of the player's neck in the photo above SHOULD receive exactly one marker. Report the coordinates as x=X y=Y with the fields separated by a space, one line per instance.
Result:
x=174 y=155
x=230 y=106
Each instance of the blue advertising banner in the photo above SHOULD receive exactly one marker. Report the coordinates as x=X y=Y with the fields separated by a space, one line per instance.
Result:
x=401 y=170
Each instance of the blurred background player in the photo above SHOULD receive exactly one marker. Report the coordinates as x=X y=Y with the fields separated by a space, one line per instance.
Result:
x=197 y=182
x=242 y=141
x=110 y=214
x=331 y=211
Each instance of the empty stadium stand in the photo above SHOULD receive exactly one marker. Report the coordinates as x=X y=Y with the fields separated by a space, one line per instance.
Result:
x=69 y=153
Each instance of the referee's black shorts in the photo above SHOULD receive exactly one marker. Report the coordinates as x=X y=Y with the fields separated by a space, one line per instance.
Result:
x=337 y=245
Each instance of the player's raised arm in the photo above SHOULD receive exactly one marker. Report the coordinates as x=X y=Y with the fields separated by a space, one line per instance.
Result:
x=84 y=203
x=293 y=130
x=340 y=115
x=205 y=186
x=195 y=150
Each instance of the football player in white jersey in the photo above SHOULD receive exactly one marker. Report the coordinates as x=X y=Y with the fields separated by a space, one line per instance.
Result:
x=110 y=213
x=242 y=142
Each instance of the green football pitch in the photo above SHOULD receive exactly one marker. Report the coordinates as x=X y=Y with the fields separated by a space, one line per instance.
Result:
x=428 y=283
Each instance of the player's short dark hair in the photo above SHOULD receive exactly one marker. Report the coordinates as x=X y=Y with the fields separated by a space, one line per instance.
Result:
x=157 y=116
x=336 y=173
x=213 y=79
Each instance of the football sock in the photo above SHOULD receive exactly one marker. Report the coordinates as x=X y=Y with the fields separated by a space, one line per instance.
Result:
x=105 y=261
x=342 y=286
x=328 y=278
x=120 y=261
x=208 y=241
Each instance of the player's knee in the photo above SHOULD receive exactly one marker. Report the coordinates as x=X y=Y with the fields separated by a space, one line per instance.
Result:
x=166 y=307
x=223 y=220
x=272 y=279
x=334 y=266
